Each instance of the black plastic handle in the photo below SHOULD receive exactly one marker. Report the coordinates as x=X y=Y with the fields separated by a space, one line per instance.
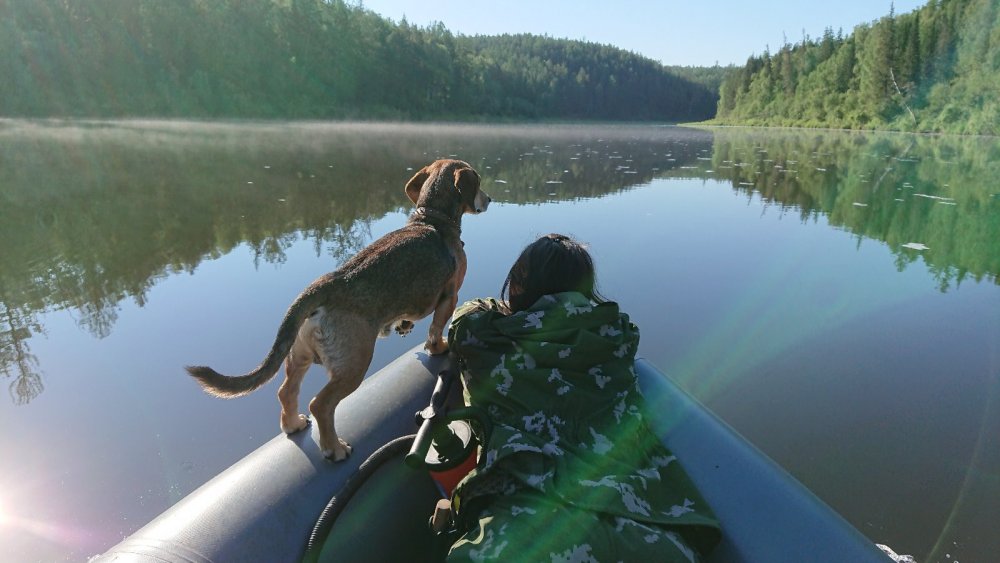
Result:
x=427 y=418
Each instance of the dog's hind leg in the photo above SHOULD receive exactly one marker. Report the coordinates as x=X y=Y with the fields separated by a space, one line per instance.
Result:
x=346 y=359
x=296 y=365
x=344 y=379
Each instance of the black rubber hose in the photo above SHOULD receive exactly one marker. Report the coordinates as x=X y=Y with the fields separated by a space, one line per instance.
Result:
x=321 y=530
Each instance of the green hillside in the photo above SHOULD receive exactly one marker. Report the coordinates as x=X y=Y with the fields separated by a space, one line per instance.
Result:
x=310 y=59
x=936 y=69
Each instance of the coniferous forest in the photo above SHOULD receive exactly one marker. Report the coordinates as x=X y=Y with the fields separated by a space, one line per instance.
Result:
x=311 y=59
x=936 y=69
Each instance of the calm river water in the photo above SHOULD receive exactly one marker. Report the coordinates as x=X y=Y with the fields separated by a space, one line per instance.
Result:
x=833 y=296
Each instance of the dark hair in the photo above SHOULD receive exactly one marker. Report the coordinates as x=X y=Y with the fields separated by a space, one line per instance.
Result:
x=552 y=264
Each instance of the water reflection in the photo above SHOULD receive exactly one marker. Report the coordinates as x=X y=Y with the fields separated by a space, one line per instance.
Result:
x=94 y=213
x=934 y=199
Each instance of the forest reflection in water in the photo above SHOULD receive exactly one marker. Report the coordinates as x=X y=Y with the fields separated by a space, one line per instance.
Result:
x=936 y=198
x=95 y=216
x=97 y=212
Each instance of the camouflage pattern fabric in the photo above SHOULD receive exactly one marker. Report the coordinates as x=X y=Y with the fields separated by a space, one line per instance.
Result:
x=571 y=471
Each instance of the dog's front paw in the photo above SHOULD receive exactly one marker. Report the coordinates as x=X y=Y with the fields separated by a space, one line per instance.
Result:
x=299 y=423
x=404 y=327
x=436 y=347
x=340 y=451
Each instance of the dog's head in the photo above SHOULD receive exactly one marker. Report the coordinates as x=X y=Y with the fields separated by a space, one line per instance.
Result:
x=450 y=186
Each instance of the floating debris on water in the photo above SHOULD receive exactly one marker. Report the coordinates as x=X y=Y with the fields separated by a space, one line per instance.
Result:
x=553 y=182
x=937 y=197
x=857 y=204
x=916 y=246
x=500 y=181
x=821 y=169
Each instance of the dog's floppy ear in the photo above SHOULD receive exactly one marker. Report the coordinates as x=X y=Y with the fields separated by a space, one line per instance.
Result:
x=467 y=183
x=416 y=183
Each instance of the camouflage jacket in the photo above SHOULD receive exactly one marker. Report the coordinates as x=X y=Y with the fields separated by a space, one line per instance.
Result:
x=559 y=383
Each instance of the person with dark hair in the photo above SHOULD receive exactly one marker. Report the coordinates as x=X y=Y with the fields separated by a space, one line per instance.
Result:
x=552 y=264
x=571 y=470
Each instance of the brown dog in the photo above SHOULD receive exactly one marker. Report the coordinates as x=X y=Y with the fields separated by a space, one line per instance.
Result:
x=398 y=279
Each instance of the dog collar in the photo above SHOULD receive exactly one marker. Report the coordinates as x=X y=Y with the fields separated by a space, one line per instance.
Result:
x=435 y=214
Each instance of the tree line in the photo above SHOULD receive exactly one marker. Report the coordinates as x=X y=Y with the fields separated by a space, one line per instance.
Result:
x=936 y=69
x=311 y=59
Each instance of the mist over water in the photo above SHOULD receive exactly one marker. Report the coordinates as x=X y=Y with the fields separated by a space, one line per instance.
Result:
x=832 y=296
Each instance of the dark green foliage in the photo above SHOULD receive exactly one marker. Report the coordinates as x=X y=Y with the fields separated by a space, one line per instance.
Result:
x=936 y=69
x=310 y=59
x=572 y=79
x=710 y=77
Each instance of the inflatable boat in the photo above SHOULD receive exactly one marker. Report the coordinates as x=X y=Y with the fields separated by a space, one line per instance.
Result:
x=268 y=506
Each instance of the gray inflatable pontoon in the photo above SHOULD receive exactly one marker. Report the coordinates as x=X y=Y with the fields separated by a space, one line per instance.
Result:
x=264 y=507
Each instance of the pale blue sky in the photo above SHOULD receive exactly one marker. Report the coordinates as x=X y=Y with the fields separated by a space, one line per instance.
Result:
x=698 y=32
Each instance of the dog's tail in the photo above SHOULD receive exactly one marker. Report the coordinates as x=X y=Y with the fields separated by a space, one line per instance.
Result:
x=228 y=387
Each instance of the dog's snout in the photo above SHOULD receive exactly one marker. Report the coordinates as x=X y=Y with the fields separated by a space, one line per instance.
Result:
x=482 y=201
